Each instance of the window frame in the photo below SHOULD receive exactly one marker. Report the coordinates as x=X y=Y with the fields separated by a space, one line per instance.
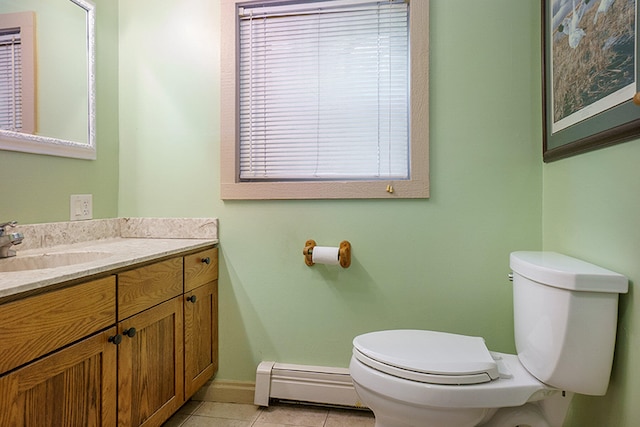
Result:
x=24 y=22
x=417 y=186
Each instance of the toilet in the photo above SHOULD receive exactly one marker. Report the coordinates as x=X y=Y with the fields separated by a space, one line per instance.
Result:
x=565 y=318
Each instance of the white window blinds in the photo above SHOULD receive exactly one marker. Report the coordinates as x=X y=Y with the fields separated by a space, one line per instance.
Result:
x=10 y=80
x=324 y=90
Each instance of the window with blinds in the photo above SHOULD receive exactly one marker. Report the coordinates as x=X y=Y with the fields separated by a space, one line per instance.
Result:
x=10 y=80
x=324 y=90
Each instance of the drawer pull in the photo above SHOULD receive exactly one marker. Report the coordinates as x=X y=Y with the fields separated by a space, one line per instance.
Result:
x=192 y=299
x=116 y=339
x=131 y=332
x=206 y=260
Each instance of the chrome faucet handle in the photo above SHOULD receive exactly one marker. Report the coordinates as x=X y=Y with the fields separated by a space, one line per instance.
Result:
x=7 y=224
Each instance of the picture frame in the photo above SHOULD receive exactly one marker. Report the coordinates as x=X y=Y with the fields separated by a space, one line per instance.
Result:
x=590 y=77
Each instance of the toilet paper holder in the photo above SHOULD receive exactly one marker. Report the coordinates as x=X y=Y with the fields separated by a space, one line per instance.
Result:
x=344 y=253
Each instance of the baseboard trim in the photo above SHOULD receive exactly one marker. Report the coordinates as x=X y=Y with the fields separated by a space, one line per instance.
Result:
x=226 y=392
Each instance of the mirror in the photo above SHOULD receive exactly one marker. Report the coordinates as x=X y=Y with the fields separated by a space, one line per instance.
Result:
x=63 y=79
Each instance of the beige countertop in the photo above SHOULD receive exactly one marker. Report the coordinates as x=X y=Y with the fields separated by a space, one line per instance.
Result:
x=97 y=247
x=112 y=254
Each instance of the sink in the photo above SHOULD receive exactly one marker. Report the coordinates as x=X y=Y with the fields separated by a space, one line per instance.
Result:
x=49 y=260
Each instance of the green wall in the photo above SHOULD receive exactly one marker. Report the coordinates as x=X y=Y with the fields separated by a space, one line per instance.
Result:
x=590 y=211
x=438 y=264
x=35 y=188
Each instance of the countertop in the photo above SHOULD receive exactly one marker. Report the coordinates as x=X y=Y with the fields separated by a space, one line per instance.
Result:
x=115 y=253
x=113 y=244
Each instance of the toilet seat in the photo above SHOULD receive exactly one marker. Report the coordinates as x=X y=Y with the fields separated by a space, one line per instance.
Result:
x=427 y=356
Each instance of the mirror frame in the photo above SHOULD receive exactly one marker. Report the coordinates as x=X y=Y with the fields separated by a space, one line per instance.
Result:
x=39 y=144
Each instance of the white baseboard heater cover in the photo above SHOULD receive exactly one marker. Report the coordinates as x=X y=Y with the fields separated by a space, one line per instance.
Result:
x=303 y=383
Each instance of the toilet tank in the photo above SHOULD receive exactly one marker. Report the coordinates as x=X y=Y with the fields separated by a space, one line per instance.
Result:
x=565 y=317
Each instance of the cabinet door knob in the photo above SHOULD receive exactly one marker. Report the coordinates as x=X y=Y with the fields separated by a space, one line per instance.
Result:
x=206 y=260
x=131 y=332
x=116 y=339
x=192 y=299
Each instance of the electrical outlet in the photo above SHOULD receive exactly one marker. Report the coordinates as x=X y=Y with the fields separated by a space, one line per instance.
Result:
x=81 y=207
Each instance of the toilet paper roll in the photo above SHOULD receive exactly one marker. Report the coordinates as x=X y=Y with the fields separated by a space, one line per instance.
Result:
x=325 y=255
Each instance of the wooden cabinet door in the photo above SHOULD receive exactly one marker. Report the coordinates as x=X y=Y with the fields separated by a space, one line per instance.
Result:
x=151 y=366
x=200 y=336
x=75 y=386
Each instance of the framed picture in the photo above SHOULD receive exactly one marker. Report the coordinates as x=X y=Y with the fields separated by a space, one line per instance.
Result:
x=590 y=75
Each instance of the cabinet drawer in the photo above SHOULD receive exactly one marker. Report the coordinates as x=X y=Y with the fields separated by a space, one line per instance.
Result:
x=37 y=325
x=200 y=268
x=145 y=287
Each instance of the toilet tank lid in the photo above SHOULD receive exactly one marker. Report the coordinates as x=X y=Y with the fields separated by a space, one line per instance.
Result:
x=562 y=271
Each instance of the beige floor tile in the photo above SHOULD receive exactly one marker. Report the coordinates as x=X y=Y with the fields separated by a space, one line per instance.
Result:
x=198 y=421
x=232 y=411
x=176 y=421
x=292 y=415
x=190 y=407
x=259 y=424
x=349 y=418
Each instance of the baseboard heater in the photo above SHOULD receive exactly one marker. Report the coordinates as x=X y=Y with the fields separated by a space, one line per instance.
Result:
x=303 y=383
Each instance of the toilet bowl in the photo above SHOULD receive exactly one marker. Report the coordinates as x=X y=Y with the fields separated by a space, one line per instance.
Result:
x=451 y=380
x=565 y=311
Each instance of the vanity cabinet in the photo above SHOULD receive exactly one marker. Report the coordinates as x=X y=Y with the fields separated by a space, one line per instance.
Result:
x=127 y=349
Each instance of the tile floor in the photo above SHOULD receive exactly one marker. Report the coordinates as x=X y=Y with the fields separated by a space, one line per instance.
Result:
x=215 y=414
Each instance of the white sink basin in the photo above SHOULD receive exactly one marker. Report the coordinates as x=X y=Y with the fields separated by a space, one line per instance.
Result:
x=49 y=260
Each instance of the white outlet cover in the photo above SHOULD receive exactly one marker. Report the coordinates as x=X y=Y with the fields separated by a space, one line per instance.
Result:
x=80 y=207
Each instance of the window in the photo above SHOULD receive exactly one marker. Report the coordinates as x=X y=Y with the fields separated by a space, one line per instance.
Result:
x=325 y=99
x=17 y=103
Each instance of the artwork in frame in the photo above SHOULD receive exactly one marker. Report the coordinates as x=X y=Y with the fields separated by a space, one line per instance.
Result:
x=590 y=76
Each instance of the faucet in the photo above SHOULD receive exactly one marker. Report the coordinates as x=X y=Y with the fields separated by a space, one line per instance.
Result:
x=9 y=239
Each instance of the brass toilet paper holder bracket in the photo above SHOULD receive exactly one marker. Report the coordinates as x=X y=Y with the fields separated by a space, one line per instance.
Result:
x=344 y=253
x=308 y=252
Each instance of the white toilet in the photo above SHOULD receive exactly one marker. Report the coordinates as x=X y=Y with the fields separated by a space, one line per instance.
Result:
x=565 y=314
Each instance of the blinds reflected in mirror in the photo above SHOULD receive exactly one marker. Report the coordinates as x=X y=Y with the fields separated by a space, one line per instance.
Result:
x=10 y=80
